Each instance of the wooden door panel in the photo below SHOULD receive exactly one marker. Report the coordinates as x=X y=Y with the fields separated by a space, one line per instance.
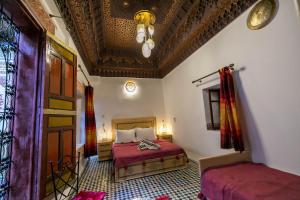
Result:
x=55 y=75
x=60 y=121
x=62 y=51
x=52 y=150
x=67 y=143
x=60 y=104
x=69 y=80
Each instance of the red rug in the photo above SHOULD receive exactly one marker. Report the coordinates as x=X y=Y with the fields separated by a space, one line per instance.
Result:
x=164 y=197
x=90 y=196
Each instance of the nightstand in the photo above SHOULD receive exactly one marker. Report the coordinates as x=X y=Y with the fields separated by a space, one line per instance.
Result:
x=104 y=150
x=167 y=137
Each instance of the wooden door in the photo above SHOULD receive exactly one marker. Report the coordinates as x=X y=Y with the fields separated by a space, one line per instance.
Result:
x=59 y=121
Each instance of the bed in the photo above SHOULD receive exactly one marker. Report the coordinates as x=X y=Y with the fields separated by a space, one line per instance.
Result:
x=130 y=163
x=235 y=177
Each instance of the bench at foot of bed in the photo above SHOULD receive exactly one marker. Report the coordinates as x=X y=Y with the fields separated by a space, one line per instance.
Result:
x=151 y=167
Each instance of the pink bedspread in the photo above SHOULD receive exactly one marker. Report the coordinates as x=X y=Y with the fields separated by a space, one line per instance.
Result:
x=249 y=181
x=125 y=154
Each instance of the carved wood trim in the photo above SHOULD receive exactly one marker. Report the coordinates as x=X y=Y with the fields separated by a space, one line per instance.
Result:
x=126 y=72
x=195 y=22
x=203 y=21
x=36 y=9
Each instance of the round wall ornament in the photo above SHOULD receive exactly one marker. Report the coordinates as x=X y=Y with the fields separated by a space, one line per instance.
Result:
x=130 y=86
x=262 y=14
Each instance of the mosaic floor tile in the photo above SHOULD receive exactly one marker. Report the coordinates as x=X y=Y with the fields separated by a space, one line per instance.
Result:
x=179 y=185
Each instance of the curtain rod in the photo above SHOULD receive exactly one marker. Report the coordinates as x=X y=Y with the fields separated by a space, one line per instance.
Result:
x=84 y=74
x=199 y=80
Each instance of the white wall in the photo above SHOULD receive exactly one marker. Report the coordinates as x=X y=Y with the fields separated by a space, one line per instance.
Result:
x=268 y=89
x=80 y=120
x=110 y=101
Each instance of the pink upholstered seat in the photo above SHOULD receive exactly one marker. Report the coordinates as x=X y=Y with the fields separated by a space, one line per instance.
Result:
x=164 y=197
x=84 y=195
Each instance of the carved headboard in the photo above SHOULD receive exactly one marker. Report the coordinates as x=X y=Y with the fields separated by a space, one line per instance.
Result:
x=130 y=123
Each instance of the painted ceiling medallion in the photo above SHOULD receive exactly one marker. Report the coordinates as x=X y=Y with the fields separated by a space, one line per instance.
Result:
x=261 y=14
x=145 y=20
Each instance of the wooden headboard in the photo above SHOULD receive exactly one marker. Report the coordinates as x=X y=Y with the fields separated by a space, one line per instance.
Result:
x=130 y=123
x=221 y=160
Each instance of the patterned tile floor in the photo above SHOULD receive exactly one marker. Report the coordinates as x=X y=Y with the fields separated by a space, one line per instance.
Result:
x=179 y=185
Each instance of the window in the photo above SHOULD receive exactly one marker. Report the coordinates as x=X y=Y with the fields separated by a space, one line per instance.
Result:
x=212 y=107
x=9 y=40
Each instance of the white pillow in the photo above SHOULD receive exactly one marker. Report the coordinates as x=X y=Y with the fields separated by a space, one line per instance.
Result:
x=125 y=136
x=145 y=133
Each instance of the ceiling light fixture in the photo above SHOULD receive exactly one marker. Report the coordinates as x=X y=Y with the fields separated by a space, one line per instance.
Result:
x=130 y=88
x=145 y=20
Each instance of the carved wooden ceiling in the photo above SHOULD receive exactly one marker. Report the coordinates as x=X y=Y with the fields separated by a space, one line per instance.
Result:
x=104 y=32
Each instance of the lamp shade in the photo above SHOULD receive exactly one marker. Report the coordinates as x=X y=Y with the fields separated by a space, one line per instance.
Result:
x=146 y=50
x=140 y=37
x=150 y=43
x=140 y=28
x=151 y=29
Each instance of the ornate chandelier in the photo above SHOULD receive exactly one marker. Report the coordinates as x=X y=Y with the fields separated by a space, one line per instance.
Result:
x=145 y=20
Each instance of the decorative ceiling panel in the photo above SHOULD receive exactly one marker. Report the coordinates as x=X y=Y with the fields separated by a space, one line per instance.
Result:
x=120 y=33
x=81 y=13
x=124 y=9
x=104 y=32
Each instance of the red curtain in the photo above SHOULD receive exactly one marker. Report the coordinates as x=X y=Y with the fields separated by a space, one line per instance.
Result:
x=231 y=135
x=90 y=147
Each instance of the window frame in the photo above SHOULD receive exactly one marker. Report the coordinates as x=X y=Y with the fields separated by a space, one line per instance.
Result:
x=9 y=45
x=212 y=125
